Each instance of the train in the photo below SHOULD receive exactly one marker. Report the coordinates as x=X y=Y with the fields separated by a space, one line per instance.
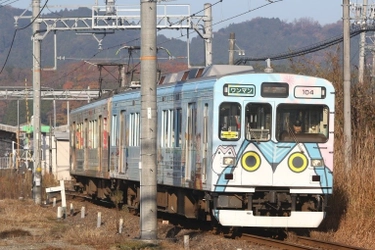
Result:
x=227 y=151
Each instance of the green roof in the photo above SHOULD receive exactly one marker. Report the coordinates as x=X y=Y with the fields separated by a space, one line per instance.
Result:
x=30 y=129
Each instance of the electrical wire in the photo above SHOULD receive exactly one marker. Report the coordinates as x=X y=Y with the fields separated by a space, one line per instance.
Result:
x=305 y=50
x=15 y=34
x=8 y=4
x=246 y=12
x=196 y=13
x=222 y=21
x=138 y=38
x=2 y=3
x=83 y=63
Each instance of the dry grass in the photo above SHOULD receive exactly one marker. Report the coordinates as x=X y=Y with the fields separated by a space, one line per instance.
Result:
x=352 y=206
x=15 y=185
x=26 y=225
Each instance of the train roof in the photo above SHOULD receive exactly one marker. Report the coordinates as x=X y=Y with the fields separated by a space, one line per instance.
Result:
x=210 y=71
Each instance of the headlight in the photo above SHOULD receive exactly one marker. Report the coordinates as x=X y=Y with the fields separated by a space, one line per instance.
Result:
x=317 y=163
x=228 y=161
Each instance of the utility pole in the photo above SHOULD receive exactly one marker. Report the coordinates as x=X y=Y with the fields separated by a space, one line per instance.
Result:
x=362 y=42
x=232 y=41
x=148 y=213
x=37 y=170
x=208 y=29
x=347 y=111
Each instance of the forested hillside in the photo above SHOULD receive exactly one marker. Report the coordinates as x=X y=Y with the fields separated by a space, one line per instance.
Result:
x=258 y=37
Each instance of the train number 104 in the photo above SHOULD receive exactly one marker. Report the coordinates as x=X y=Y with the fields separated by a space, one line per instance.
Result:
x=309 y=92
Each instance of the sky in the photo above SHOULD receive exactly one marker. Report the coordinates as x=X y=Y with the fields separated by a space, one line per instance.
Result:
x=322 y=11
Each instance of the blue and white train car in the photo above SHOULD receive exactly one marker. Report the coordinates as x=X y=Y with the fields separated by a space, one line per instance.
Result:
x=241 y=148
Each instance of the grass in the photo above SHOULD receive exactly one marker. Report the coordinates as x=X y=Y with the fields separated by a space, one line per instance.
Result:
x=14 y=185
x=352 y=206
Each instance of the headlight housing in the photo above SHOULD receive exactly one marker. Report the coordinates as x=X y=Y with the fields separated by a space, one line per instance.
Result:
x=317 y=163
x=228 y=161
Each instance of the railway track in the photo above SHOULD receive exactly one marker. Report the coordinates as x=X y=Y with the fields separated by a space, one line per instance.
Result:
x=325 y=244
x=303 y=243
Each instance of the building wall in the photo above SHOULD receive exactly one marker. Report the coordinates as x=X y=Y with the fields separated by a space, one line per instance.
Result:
x=61 y=166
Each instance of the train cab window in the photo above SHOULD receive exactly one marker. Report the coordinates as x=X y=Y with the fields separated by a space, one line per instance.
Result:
x=230 y=121
x=258 y=121
x=302 y=123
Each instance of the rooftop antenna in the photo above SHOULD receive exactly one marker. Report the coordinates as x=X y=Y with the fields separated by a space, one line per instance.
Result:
x=268 y=69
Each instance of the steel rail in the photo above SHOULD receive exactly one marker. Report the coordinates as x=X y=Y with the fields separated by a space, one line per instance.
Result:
x=275 y=243
x=325 y=244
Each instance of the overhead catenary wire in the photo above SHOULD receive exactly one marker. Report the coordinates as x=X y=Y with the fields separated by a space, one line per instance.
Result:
x=246 y=12
x=122 y=44
x=2 y=4
x=83 y=63
x=192 y=15
x=15 y=34
x=289 y=54
x=304 y=50
x=221 y=21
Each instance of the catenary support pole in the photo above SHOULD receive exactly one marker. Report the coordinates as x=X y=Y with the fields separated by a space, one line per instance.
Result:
x=232 y=40
x=347 y=111
x=362 y=43
x=208 y=29
x=148 y=213
x=37 y=168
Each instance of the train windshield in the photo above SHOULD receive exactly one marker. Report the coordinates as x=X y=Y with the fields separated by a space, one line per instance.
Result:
x=230 y=121
x=302 y=123
x=258 y=121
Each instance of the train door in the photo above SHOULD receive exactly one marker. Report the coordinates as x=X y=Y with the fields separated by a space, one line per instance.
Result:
x=256 y=155
x=100 y=142
x=123 y=148
x=105 y=151
x=85 y=144
x=190 y=141
x=205 y=143
x=73 y=146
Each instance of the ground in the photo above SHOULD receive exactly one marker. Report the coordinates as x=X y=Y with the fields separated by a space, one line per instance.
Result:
x=25 y=225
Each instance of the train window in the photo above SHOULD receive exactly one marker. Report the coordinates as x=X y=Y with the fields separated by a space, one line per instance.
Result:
x=90 y=134
x=230 y=121
x=114 y=131
x=178 y=127
x=85 y=134
x=72 y=134
x=105 y=133
x=205 y=124
x=167 y=133
x=134 y=129
x=258 y=121
x=79 y=136
x=95 y=134
x=302 y=123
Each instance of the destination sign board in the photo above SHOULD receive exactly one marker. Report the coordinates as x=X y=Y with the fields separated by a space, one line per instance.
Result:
x=239 y=90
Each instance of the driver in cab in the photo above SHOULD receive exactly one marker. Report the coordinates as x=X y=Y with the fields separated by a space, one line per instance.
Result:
x=297 y=127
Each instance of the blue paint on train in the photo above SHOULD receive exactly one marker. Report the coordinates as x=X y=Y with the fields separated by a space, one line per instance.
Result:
x=218 y=138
